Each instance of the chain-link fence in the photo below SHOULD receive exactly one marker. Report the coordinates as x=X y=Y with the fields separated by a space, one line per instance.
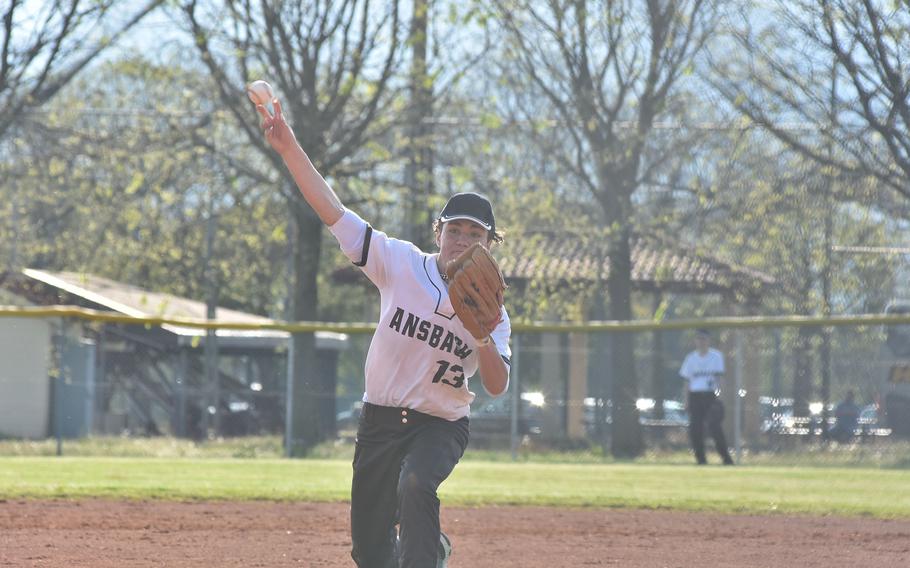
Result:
x=789 y=388
x=783 y=390
x=72 y=378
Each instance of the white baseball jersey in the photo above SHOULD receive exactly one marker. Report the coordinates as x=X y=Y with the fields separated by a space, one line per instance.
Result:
x=421 y=355
x=703 y=371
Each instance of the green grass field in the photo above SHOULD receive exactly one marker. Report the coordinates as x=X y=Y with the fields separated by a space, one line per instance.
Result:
x=880 y=493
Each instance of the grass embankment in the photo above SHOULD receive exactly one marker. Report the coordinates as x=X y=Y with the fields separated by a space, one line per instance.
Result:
x=753 y=489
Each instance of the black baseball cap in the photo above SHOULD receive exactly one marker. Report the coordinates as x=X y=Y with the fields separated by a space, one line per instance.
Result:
x=471 y=206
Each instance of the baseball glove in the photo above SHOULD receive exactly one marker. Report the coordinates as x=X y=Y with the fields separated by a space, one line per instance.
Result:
x=475 y=288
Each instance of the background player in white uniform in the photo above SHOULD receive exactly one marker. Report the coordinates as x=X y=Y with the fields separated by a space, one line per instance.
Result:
x=702 y=370
x=414 y=424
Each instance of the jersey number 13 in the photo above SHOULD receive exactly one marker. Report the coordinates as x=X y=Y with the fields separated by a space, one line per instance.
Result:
x=456 y=376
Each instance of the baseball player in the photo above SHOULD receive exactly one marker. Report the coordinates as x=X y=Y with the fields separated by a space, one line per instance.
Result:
x=702 y=370
x=414 y=424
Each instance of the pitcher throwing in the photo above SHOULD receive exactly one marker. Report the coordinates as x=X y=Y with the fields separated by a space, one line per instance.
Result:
x=436 y=329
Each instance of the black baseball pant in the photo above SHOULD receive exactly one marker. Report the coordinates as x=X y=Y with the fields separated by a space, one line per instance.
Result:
x=706 y=410
x=401 y=457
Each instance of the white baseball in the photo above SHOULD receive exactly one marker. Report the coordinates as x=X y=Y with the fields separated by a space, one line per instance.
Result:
x=260 y=93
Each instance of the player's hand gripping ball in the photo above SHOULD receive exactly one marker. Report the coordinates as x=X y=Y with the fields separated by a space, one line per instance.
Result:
x=475 y=288
x=260 y=92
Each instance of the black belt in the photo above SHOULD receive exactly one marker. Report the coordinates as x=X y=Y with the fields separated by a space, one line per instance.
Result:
x=394 y=415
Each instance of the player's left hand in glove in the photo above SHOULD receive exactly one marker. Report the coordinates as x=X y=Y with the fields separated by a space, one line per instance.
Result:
x=476 y=286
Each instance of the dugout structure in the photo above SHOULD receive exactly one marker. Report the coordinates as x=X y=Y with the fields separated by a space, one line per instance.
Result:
x=145 y=380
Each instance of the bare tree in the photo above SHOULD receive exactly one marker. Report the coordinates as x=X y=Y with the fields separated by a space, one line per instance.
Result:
x=333 y=64
x=783 y=83
x=607 y=69
x=445 y=46
x=45 y=44
x=419 y=145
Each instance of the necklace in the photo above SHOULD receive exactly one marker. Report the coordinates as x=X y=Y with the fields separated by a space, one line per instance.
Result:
x=442 y=274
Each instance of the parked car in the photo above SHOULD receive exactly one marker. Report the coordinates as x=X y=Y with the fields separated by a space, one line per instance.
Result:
x=494 y=416
x=675 y=415
x=488 y=417
x=871 y=422
x=347 y=420
x=778 y=418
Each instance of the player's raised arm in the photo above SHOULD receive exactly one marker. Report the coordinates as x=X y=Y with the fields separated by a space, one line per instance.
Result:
x=314 y=188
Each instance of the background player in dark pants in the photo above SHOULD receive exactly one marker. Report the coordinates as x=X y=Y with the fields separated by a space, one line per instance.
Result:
x=702 y=370
x=414 y=424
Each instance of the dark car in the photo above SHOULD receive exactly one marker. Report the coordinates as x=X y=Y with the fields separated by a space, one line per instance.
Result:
x=493 y=417
x=674 y=414
x=347 y=420
x=489 y=417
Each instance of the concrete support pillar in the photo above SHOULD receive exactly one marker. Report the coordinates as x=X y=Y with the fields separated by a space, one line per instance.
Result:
x=553 y=384
x=578 y=385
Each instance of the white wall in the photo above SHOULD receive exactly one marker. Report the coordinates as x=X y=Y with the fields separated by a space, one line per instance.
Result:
x=25 y=347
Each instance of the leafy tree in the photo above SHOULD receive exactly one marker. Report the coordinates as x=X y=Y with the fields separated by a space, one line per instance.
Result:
x=118 y=186
x=419 y=144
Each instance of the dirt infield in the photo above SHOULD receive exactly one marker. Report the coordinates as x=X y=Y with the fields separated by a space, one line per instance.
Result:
x=97 y=533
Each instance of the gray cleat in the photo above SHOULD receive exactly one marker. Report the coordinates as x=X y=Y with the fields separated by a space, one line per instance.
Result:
x=445 y=550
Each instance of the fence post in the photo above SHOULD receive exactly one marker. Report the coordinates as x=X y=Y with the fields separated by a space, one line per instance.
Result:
x=182 y=366
x=516 y=397
x=289 y=402
x=59 y=341
x=738 y=399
